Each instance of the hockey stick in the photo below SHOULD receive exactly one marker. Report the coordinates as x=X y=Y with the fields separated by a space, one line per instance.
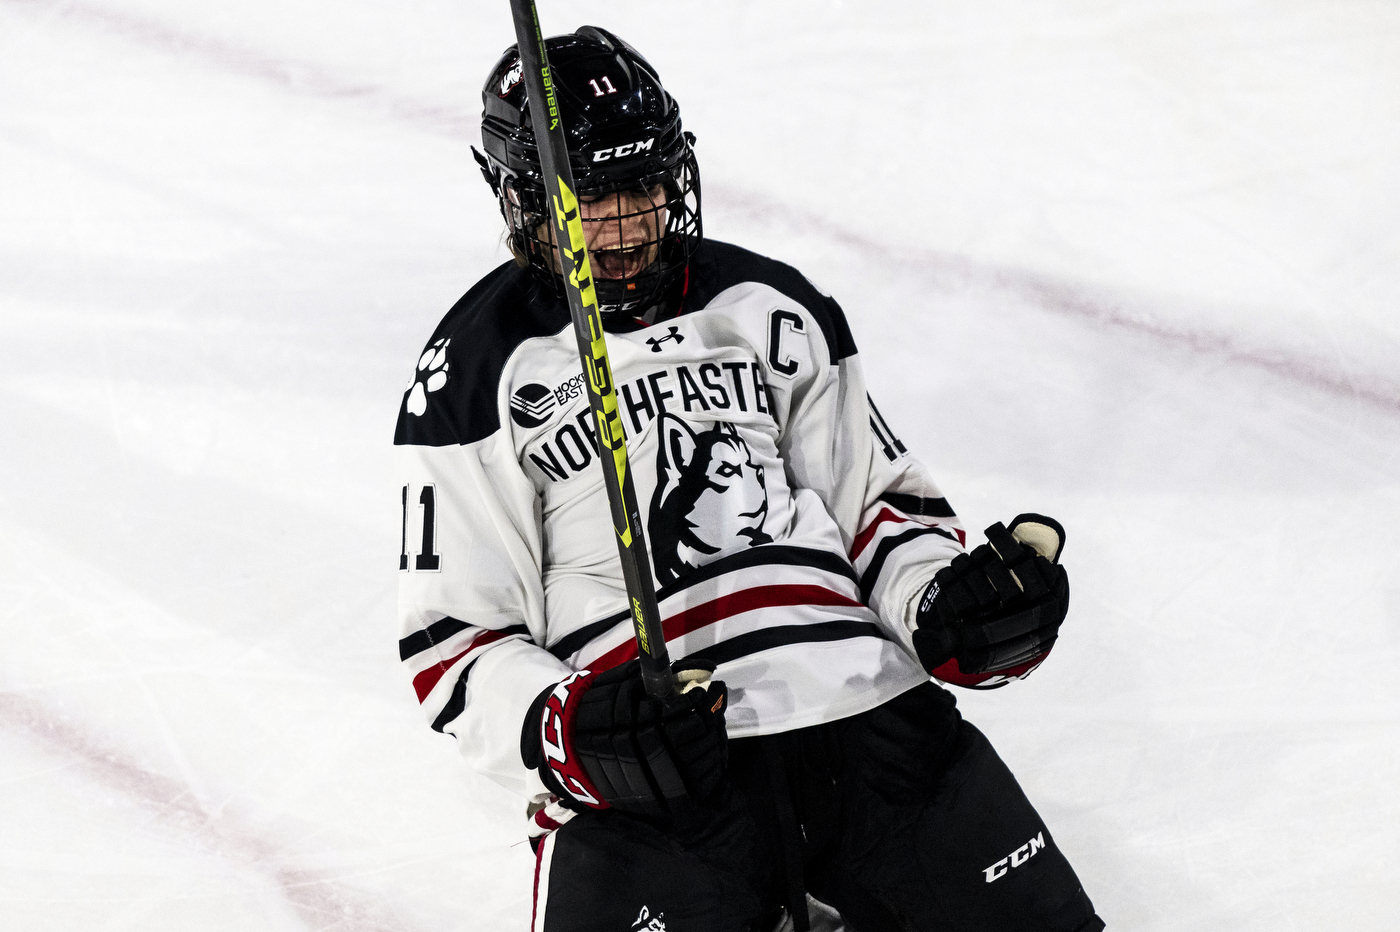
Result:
x=567 y=228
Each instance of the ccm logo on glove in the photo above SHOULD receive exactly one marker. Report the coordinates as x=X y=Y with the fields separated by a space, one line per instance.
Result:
x=599 y=741
x=553 y=728
x=992 y=615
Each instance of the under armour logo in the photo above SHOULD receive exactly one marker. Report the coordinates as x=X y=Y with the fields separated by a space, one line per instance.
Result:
x=656 y=342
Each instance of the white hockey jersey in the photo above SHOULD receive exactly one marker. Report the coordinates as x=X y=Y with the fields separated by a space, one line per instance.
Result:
x=790 y=531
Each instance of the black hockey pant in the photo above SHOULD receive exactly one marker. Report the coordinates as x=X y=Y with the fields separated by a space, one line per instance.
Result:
x=902 y=818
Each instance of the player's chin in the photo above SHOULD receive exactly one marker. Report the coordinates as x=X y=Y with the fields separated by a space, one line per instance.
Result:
x=617 y=264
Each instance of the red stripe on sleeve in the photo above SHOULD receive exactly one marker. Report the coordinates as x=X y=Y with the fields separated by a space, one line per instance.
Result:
x=864 y=537
x=424 y=682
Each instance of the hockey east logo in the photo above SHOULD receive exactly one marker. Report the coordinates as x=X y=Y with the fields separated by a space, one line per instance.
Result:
x=710 y=497
x=533 y=403
x=429 y=376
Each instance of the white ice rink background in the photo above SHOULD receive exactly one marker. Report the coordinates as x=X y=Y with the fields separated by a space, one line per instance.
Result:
x=1132 y=264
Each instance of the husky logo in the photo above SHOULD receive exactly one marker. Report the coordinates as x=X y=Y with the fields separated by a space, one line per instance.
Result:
x=646 y=922
x=710 y=497
x=511 y=78
x=532 y=404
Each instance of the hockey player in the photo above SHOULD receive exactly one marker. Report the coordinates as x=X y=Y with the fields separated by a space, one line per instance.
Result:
x=811 y=576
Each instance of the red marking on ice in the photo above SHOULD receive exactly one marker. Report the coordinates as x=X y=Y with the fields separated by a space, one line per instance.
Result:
x=321 y=902
x=1040 y=290
x=298 y=76
x=1071 y=300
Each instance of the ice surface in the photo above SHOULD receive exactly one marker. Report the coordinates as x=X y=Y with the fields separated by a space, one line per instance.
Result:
x=1131 y=264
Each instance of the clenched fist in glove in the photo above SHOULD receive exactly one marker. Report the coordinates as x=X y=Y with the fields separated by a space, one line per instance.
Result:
x=992 y=615
x=598 y=740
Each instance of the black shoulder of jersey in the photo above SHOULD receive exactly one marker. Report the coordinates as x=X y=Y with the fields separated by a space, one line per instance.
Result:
x=717 y=266
x=453 y=396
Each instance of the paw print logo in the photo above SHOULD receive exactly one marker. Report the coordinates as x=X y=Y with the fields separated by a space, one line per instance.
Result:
x=430 y=376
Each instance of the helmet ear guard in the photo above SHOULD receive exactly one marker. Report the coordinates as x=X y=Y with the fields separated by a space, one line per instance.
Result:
x=489 y=171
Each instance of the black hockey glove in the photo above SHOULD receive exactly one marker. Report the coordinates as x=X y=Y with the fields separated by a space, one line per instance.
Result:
x=599 y=741
x=992 y=616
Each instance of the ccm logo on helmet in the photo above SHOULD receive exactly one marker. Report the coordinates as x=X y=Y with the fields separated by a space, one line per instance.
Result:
x=1016 y=858
x=631 y=148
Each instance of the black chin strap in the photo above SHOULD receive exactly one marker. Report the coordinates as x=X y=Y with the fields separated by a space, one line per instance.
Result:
x=619 y=318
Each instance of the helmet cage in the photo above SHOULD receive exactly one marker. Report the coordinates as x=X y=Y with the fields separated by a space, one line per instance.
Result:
x=663 y=207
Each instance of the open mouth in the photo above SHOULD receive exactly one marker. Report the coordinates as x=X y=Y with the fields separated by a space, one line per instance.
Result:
x=621 y=263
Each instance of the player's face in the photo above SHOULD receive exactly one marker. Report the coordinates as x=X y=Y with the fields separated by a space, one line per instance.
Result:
x=622 y=230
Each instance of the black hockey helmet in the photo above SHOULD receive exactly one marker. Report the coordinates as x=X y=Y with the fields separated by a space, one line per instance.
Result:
x=624 y=137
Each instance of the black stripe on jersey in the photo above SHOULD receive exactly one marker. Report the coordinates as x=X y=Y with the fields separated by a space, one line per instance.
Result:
x=435 y=633
x=439 y=631
x=887 y=547
x=457 y=703
x=575 y=641
x=783 y=635
x=775 y=555
x=914 y=505
x=770 y=555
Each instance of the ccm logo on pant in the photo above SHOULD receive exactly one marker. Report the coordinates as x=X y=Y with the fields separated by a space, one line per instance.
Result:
x=1016 y=858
